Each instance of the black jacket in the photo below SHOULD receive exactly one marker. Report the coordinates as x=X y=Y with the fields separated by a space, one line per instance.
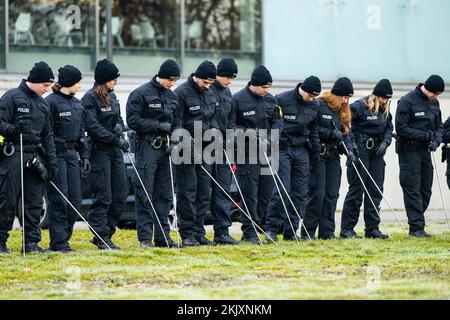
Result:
x=224 y=107
x=255 y=112
x=300 y=119
x=149 y=105
x=329 y=120
x=416 y=115
x=101 y=120
x=68 y=121
x=446 y=131
x=23 y=103
x=366 y=123
x=195 y=105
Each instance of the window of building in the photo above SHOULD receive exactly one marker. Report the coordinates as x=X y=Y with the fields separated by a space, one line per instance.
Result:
x=2 y=35
x=45 y=30
x=144 y=33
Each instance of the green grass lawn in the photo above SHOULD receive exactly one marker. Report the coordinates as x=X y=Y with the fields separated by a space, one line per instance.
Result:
x=399 y=268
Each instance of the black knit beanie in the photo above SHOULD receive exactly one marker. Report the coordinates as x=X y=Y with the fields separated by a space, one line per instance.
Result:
x=312 y=85
x=435 y=84
x=383 y=89
x=227 y=67
x=169 y=70
x=261 y=77
x=41 y=73
x=206 y=71
x=68 y=76
x=343 y=87
x=105 y=71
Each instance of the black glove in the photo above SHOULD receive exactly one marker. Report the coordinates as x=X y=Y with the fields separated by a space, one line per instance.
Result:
x=165 y=127
x=170 y=148
x=52 y=172
x=118 y=130
x=429 y=136
x=351 y=156
x=355 y=151
x=86 y=165
x=123 y=145
x=381 y=151
x=433 y=146
x=338 y=134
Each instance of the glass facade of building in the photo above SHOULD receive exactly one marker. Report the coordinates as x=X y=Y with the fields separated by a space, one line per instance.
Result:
x=144 y=33
x=365 y=40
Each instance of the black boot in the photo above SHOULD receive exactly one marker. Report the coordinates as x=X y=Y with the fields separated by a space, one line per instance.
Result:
x=146 y=244
x=420 y=234
x=252 y=240
x=204 y=241
x=225 y=239
x=106 y=245
x=190 y=242
x=32 y=247
x=3 y=248
x=271 y=236
x=376 y=234
x=349 y=234
x=163 y=244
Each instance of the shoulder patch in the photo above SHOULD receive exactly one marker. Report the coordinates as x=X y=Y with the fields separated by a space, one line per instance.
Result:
x=280 y=111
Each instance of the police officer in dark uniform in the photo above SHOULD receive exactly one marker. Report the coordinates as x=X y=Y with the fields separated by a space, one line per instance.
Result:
x=255 y=108
x=71 y=145
x=151 y=112
x=334 y=128
x=24 y=112
x=299 y=142
x=220 y=204
x=372 y=133
x=418 y=124
x=107 y=178
x=197 y=104
x=446 y=149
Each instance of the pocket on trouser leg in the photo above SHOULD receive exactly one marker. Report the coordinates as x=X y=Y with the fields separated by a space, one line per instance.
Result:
x=4 y=180
x=406 y=175
x=96 y=178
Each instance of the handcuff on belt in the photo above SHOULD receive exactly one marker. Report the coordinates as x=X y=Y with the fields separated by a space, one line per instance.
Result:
x=158 y=142
x=11 y=147
x=370 y=144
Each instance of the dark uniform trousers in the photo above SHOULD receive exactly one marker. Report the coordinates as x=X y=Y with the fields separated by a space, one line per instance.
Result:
x=354 y=197
x=416 y=179
x=153 y=167
x=294 y=174
x=10 y=193
x=220 y=203
x=256 y=190
x=108 y=184
x=193 y=198
x=324 y=192
x=448 y=173
x=62 y=217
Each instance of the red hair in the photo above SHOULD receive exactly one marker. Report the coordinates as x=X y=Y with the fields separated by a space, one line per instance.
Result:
x=335 y=103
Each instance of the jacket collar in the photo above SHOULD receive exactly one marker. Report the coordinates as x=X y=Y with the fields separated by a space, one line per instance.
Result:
x=23 y=86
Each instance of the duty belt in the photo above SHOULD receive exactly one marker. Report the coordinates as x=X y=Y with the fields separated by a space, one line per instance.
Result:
x=301 y=144
x=327 y=148
x=416 y=144
x=27 y=148
x=156 y=141
x=67 y=145
x=369 y=142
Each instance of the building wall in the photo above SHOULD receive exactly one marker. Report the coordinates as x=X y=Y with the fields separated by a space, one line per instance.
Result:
x=404 y=40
